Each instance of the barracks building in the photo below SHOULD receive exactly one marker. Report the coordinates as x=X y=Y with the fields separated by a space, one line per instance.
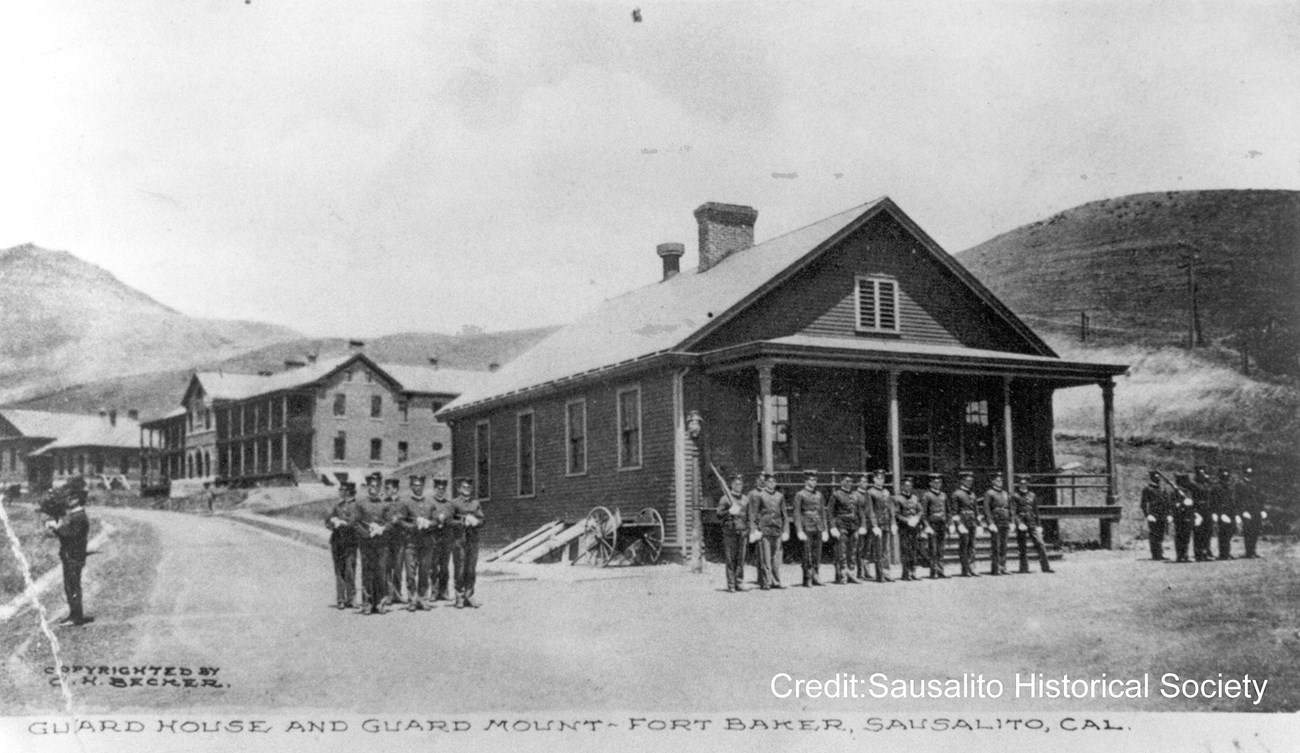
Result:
x=852 y=343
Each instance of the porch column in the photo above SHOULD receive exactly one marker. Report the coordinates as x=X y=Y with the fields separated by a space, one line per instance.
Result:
x=284 y=451
x=1009 y=465
x=765 y=414
x=1108 y=424
x=895 y=432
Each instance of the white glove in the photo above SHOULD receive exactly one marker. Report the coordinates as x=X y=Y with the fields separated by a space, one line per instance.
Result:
x=754 y=536
x=1169 y=519
x=1038 y=530
x=1198 y=520
x=1263 y=514
x=734 y=509
x=472 y=521
x=1151 y=518
x=1022 y=527
x=893 y=528
x=1187 y=501
x=875 y=531
x=375 y=529
x=952 y=530
x=786 y=536
x=422 y=523
x=962 y=529
x=835 y=532
x=862 y=531
x=1246 y=515
x=825 y=536
x=1238 y=521
x=802 y=536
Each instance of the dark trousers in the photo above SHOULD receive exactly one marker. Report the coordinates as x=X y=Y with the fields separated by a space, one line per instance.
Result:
x=464 y=557
x=909 y=548
x=374 y=568
x=769 y=560
x=812 y=556
x=935 y=545
x=966 y=548
x=72 y=567
x=1156 y=538
x=998 y=548
x=1182 y=536
x=1035 y=536
x=734 y=544
x=419 y=565
x=343 y=550
x=1226 y=530
x=844 y=550
x=394 y=560
x=1202 y=536
x=878 y=551
x=440 y=567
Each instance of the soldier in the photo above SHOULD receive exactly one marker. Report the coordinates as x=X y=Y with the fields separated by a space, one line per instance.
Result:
x=845 y=519
x=1253 y=513
x=1155 y=507
x=1028 y=525
x=416 y=518
x=72 y=528
x=997 y=511
x=1203 y=521
x=882 y=508
x=343 y=543
x=868 y=528
x=1223 y=506
x=767 y=514
x=934 y=509
x=373 y=519
x=965 y=518
x=810 y=526
x=1184 y=514
x=733 y=513
x=395 y=540
x=443 y=539
x=467 y=519
x=909 y=517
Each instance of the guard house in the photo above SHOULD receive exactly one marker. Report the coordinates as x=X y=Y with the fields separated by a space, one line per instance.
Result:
x=852 y=343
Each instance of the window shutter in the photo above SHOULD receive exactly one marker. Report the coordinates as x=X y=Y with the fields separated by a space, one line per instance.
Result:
x=866 y=304
x=888 y=295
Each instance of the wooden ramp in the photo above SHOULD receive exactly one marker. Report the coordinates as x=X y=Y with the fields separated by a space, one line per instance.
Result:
x=539 y=543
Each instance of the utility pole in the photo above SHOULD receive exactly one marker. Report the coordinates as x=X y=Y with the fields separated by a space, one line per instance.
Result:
x=1191 y=259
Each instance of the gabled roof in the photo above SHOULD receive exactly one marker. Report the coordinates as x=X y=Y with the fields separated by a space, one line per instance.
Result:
x=673 y=314
x=73 y=429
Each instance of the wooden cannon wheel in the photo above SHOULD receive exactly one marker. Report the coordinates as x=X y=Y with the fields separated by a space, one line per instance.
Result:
x=652 y=538
x=599 y=535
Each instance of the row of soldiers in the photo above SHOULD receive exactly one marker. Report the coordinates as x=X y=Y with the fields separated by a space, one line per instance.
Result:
x=394 y=542
x=1201 y=509
x=862 y=521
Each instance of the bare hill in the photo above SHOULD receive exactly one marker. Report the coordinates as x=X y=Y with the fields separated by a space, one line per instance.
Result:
x=65 y=321
x=1119 y=260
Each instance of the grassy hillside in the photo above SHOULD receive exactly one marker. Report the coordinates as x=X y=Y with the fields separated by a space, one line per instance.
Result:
x=1119 y=260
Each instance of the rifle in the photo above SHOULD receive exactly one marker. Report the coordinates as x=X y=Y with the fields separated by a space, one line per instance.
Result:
x=1186 y=496
x=726 y=489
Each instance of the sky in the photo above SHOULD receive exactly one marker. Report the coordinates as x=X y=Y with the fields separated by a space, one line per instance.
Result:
x=357 y=169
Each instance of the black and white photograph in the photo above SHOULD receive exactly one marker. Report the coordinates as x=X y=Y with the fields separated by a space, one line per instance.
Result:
x=557 y=375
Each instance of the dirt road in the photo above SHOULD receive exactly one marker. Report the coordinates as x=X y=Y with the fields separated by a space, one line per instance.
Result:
x=259 y=609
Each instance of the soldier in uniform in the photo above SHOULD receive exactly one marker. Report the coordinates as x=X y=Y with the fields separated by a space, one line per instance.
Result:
x=1253 y=513
x=965 y=517
x=868 y=528
x=845 y=520
x=443 y=538
x=768 y=515
x=1203 y=522
x=343 y=543
x=1028 y=525
x=733 y=513
x=72 y=528
x=1223 y=505
x=997 y=511
x=415 y=517
x=395 y=540
x=882 y=508
x=373 y=519
x=934 y=510
x=1184 y=513
x=811 y=526
x=909 y=517
x=1156 y=507
x=467 y=519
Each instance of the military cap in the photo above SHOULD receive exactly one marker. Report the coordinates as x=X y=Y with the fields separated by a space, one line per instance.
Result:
x=1200 y=468
x=810 y=473
x=348 y=487
x=935 y=477
x=392 y=482
x=846 y=477
x=1155 y=475
x=463 y=480
x=415 y=478
x=879 y=472
x=737 y=477
x=1022 y=480
x=965 y=473
x=1247 y=470
x=864 y=476
x=374 y=478
x=996 y=474
x=907 y=480
x=342 y=477
x=439 y=480
x=1224 y=473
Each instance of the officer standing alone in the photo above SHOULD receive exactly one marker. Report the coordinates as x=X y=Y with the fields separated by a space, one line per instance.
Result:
x=1155 y=508
x=1029 y=527
x=72 y=528
x=343 y=543
x=1253 y=513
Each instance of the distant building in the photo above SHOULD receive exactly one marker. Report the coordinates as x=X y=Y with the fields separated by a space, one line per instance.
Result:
x=42 y=449
x=313 y=419
x=850 y=344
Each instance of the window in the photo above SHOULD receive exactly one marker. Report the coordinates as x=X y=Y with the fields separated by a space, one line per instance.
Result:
x=376 y=449
x=341 y=446
x=403 y=452
x=783 y=445
x=340 y=404
x=482 y=459
x=437 y=406
x=629 y=428
x=376 y=406
x=404 y=410
x=575 y=437
x=370 y=377
x=524 y=457
x=876 y=300
x=207 y=418
x=977 y=435
x=347 y=375
x=437 y=446
x=124 y=463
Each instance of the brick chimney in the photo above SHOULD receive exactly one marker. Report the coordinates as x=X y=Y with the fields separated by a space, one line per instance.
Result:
x=133 y=414
x=293 y=363
x=671 y=253
x=356 y=346
x=311 y=357
x=112 y=417
x=724 y=230
x=433 y=362
x=493 y=366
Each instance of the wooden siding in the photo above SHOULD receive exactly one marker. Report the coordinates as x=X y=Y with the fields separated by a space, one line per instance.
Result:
x=571 y=497
x=934 y=305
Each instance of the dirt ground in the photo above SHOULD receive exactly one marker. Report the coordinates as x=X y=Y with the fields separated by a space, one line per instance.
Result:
x=187 y=591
